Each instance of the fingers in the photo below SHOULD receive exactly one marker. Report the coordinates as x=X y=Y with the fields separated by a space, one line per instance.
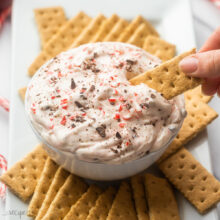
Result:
x=211 y=86
x=202 y=65
x=218 y=91
x=213 y=42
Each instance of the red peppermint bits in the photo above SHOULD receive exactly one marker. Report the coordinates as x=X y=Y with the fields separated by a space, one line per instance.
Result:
x=63 y=121
x=83 y=114
x=128 y=143
x=120 y=108
x=72 y=117
x=60 y=75
x=121 y=125
x=65 y=107
x=117 y=116
x=53 y=97
x=116 y=92
x=122 y=99
x=70 y=66
x=111 y=77
x=63 y=101
x=51 y=127
x=112 y=100
x=33 y=110
x=135 y=94
x=82 y=90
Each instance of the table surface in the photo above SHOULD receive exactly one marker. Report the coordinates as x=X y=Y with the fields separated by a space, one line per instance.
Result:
x=204 y=25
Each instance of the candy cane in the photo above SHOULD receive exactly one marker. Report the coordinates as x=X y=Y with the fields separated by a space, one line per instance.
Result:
x=4 y=103
x=3 y=167
x=4 y=14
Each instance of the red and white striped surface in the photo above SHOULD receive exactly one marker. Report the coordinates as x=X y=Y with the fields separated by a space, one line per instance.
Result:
x=216 y=2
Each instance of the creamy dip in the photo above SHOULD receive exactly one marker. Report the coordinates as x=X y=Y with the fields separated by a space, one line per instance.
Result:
x=82 y=102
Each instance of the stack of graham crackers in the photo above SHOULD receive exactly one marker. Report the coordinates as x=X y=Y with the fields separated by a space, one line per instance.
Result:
x=57 y=194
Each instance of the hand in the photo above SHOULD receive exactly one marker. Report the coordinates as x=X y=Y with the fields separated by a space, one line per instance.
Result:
x=206 y=64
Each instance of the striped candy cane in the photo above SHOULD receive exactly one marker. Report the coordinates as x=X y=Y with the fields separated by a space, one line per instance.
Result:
x=3 y=167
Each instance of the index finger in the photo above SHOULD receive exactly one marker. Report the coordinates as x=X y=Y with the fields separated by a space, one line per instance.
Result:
x=213 y=42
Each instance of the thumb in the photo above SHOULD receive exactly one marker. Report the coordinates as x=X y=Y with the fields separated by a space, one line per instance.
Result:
x=203 y=65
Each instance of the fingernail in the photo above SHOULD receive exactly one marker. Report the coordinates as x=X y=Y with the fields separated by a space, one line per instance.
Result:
x=189 y=65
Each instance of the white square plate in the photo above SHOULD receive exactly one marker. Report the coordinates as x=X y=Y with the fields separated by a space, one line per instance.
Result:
x=172 y=19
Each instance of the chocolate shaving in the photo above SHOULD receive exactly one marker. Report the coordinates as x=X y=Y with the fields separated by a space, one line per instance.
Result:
x=73 y=84
x=79 y=105
x=79 y=119
x=92 y=88
x=118 y=135
x=144 y=105
x=129 y=65
x=83 y=97
x=152 y=96
x=128 y=106
x=114 y=150
x=73 y=125
x=101 y=131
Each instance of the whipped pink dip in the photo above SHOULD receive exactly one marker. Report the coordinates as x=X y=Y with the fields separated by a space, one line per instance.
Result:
x=82 y=102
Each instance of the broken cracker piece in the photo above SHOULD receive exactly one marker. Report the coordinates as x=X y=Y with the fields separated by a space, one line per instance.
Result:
x=42 y=187
x=90 y=31
x=23 y=176
x=131 y=28
x=22 y=92
x=105 y=28
x=114 y=34
x=57 y=182
x=199 y=186
x=199 y=115
x=123 y=207
x=160 y=48
x=167 y=78
x=100 y=212
x=137 y=185
x=161 y=200
x=84 y=204
x=68 y=194
x=60 y=41
x=49 y=21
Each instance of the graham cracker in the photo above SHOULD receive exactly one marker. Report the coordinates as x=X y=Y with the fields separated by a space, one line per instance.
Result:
x=57 y=182
x=80 y=210
x=159 y=47
x=105 y=28
x=197 y=95
x=199 y=115
x=161 y=200
x=137 y=185
x=69 y=193
x=42 y=187
x=140 y=34
x=22 y=92
x=23 y=176
x=131 y=28
x=49 y=21
x=167 y=78
x=199 y=186
x=116 y=30
x=60 y=41
x=102 y=206
x=123 y=207
x=90 y=31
